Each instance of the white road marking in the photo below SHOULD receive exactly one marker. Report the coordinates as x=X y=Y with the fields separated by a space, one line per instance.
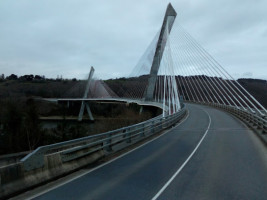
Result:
x=182 y=166
x=65 y=182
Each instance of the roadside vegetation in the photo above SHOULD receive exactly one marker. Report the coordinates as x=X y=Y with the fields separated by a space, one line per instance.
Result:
x=25 y=120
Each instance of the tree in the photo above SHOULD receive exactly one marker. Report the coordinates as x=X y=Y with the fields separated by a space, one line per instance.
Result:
x=12 y=77
x=26 y=77
x=39 y=78
x=31 y=125
x=12 y=123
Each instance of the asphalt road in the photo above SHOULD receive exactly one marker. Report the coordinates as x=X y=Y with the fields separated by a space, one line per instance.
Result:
x=211 y=155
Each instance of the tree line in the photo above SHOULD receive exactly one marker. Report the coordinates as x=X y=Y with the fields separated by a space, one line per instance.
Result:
x=31 y=77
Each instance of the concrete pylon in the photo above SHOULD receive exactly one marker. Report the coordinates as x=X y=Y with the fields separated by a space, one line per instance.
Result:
x=84 y=103
x=169 y=18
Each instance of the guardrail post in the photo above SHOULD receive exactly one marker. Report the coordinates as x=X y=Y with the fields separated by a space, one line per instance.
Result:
x=143 y=131
x=152 y=127
x=163 y=123
x=254 y=121
x=250 y=118
x=157 y=127
x=173 y=120
x=178 y=117
x=128 y=136
x=108 y=143
x=259 y=124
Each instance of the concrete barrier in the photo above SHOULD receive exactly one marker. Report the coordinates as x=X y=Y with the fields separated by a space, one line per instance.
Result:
x=13 y=178
x=12 y=158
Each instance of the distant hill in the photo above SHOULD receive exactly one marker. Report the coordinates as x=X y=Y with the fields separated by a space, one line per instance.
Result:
x=123 y=87
x=257 y=88
x=129 y=87
x=45 y=88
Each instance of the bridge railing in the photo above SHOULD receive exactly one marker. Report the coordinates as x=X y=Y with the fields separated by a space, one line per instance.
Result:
x=110 y=141
x=253 y=119
x=55 y=160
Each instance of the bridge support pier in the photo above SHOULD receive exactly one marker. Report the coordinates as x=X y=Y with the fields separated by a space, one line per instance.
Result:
x=141 y=110
x=84 y=103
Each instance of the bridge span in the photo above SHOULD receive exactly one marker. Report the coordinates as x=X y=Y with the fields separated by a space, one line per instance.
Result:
x=209 y=155
x=108 y=100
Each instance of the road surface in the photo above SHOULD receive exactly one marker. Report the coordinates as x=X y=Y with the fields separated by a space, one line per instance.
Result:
x=210 y=155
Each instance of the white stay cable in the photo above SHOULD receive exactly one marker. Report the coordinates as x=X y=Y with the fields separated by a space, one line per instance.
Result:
x=211 y=79
x=210 y=69
x=175 y=91
x=210 y=66
x=206 y=86
x=218 y=66
x=186 y=74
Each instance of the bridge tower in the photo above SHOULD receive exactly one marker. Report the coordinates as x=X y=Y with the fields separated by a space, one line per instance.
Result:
x=84 y=103
x=168 y=21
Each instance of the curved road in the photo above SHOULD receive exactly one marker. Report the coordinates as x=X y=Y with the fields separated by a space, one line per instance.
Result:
x=210 y=155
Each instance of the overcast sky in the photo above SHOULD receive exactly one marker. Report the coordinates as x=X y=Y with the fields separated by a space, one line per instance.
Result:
x=66 y=37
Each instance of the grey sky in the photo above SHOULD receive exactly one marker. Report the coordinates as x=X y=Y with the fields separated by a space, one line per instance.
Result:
x=66 y=37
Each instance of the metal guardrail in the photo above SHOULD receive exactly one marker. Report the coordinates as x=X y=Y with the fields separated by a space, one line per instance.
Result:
x=106 y=141
x=252 y=119
x=257 y=121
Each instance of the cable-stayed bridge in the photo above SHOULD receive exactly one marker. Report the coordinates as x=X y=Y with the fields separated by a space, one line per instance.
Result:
x=175 y=67
x=210 y=151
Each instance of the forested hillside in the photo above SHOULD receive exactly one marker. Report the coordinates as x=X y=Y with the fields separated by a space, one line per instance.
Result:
x=123 y=87
x=256 y=87
x=132 y=87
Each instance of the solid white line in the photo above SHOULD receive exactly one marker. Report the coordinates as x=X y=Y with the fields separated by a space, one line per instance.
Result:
x=182 y=166
x=61 y=184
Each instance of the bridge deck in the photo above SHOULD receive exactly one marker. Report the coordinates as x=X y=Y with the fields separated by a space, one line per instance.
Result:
x=229 y=163
x=123 y=100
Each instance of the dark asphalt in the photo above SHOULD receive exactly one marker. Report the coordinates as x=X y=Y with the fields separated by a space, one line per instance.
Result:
x=229 y=164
